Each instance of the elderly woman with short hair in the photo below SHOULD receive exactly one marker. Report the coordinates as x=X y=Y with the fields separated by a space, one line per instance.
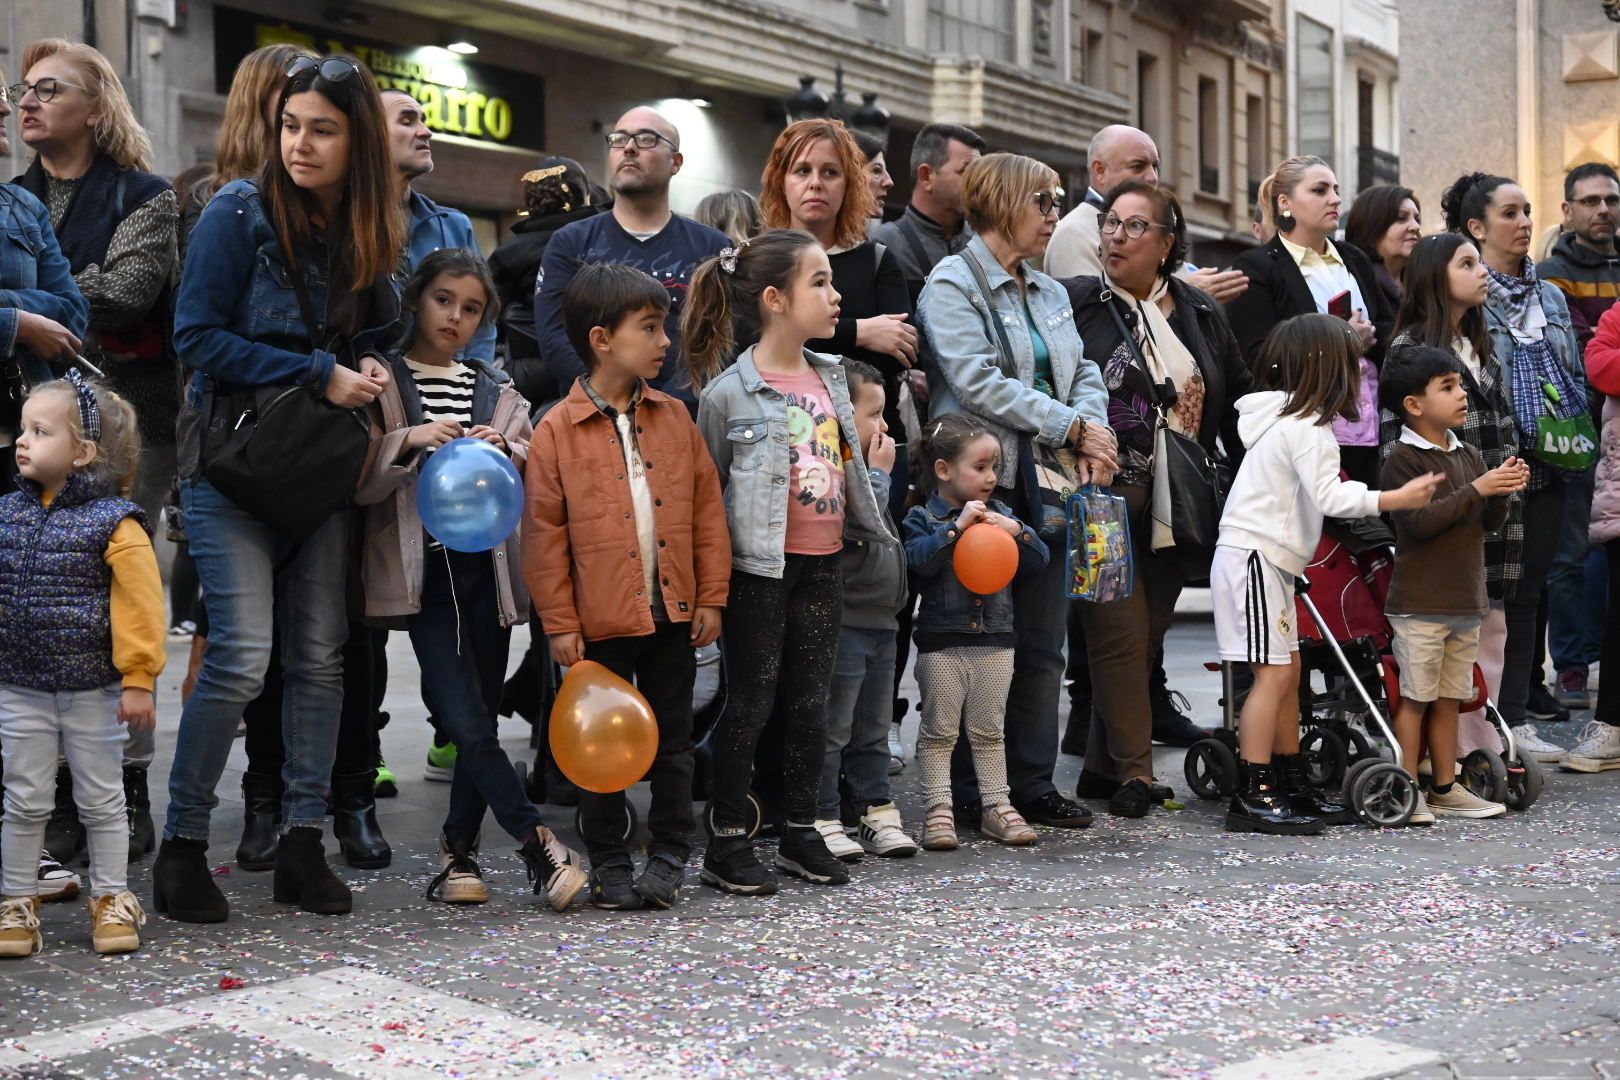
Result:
x=1047 y=393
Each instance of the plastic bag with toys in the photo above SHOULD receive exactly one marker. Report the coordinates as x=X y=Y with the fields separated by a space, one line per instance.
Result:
x=1099 y=556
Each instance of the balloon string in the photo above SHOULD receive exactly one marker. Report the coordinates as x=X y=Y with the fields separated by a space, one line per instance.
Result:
x=455 y=601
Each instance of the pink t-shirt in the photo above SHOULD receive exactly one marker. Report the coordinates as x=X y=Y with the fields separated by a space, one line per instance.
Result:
x=815 y=517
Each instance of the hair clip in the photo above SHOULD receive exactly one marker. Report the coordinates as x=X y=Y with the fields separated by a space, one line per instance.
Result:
x=728 y=260
x=89 y=412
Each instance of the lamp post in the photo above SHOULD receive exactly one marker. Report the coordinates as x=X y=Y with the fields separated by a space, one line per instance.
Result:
x=808 y=103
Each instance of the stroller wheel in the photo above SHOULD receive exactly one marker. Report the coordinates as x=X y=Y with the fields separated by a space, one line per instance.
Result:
x=628 y=825
x=1211 y=769
x=1325 y=757
x=1360 y=747
x=1524 y=779
x=1384 y=795
x=1484 y=774
x=756 y=817
x=1353 y=774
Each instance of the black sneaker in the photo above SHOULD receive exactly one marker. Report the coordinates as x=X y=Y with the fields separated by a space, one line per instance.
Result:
x=1541 y=705
x=1133 y=799
x=732 y=865
x=969 y=814
x=611 y=888
x=1053 y=809
x=803 y=853
x=660 y=883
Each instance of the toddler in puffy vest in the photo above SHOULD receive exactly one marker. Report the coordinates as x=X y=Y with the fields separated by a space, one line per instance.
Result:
x=82 y=636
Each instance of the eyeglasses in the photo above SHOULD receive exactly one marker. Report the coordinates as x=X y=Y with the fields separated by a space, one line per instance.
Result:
x=1593 y=202
x=645 y=140
x=1048 y=201
x=1135 y=228
x=331 y=68
x=44 y=90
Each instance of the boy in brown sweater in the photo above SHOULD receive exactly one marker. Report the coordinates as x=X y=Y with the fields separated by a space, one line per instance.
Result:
x=1437 y=599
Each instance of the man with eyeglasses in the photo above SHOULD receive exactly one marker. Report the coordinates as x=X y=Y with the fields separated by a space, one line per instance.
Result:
x=1586 y=268
x=644 y=154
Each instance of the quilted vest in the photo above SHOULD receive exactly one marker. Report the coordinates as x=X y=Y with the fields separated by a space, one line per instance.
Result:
x=55 y=587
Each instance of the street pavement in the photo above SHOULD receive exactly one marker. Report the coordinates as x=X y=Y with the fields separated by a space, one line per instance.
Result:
x=1162 y=947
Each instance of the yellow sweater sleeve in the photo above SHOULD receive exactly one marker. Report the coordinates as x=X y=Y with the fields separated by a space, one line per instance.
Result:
x=138 y=614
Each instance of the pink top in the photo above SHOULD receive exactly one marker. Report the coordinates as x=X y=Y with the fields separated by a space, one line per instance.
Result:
x=815 y=516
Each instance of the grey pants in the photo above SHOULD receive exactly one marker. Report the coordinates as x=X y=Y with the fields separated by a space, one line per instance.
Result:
x=964 y=687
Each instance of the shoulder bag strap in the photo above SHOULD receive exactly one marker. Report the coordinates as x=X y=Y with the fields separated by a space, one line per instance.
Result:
x=1004 y=354
x=914 y=240
x=1107 y=300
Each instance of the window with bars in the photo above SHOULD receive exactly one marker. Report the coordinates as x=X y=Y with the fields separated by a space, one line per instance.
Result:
x=972 y=28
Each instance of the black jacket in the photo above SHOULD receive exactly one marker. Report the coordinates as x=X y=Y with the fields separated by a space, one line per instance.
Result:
x=1200 y=324
x=1277 y=292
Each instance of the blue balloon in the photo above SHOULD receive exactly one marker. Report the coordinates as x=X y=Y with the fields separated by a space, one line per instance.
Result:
x=470 y=496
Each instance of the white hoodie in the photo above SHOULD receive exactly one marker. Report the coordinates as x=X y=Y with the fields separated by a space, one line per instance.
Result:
x=1288 y=482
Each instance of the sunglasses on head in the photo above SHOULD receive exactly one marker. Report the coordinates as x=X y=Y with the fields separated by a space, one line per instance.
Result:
x=331 y=68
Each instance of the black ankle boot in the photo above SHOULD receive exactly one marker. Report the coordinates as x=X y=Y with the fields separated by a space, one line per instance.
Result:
x=303 y=878
x=138 y=808
x=1260 y=806
x=354 y=822
x=261 y=822
x=1306 y=797
x=183 y=887
x=64 y=832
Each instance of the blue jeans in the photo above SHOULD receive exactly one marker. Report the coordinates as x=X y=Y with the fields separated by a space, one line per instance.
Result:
x=860 y=707
x=1577 y=585
x=461 y=648
x=248 y=574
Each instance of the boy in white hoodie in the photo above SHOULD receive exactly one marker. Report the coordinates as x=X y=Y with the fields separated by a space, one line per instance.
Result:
x=1310 y=370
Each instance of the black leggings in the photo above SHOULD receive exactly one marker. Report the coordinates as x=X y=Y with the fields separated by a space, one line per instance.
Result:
x=1543 y=524
x=777 y=630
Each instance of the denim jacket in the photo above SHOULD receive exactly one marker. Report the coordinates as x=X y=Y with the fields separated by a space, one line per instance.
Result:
x=947 y=605
x=967 y=377
x=34 y=274
x=745 y=423
x=236 y=317
x=433 y=227
x=1560 y=332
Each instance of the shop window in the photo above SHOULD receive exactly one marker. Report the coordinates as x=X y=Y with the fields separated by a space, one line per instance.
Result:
x=972 y=28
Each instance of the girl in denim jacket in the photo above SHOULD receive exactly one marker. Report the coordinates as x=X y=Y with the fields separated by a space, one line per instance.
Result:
x=964 y=640
x=782 y=431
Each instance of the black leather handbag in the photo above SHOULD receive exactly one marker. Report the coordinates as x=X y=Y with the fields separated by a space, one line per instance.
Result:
x=282 y=452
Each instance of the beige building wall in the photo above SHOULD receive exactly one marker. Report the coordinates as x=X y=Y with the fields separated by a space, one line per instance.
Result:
x=1542 y=95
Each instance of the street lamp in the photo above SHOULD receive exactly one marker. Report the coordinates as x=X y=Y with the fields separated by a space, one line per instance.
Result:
x=808 y=103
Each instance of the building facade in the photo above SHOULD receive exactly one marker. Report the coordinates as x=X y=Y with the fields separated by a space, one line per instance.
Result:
x=1206 y=77
x=1542 y=95
x=1344 y=83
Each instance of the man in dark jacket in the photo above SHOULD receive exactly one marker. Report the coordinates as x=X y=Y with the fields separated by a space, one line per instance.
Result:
x=1586 y=268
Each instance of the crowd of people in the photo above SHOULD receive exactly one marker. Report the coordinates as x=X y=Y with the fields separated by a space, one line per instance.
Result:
x=766 y=426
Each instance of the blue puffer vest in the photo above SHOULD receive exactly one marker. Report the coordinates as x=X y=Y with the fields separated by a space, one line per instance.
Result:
x=55 y=586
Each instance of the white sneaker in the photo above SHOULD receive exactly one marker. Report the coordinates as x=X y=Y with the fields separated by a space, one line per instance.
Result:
x=1532 y=744
x=897 y=751
x=882 y=834
x=838 y=842
x=1422 y=815
x=1599 y=749
x=1460 y=802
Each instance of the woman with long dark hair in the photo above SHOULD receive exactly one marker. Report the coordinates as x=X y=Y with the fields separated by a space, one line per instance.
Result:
x=319 y=229
x=1533 y=339
x=1386 y=223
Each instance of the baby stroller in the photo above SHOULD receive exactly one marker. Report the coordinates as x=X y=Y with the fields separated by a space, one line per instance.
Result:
x=1349 y=689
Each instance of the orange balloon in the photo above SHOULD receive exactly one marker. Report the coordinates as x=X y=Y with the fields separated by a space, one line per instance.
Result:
x=603 y=733
x=986 y=558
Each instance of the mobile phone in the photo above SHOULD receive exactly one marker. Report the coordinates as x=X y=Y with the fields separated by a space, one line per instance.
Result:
x=1340 y=305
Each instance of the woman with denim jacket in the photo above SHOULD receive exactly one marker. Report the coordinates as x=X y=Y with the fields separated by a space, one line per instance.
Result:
x=1534 y=342
x=42 y=313
x=326 y=209
x=1046 y=392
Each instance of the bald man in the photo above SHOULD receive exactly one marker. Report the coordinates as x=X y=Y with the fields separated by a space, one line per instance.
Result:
x=644 y=154
x=1119 y=153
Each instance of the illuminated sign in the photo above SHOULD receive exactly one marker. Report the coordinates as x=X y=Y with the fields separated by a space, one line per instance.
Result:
x=474 y=101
